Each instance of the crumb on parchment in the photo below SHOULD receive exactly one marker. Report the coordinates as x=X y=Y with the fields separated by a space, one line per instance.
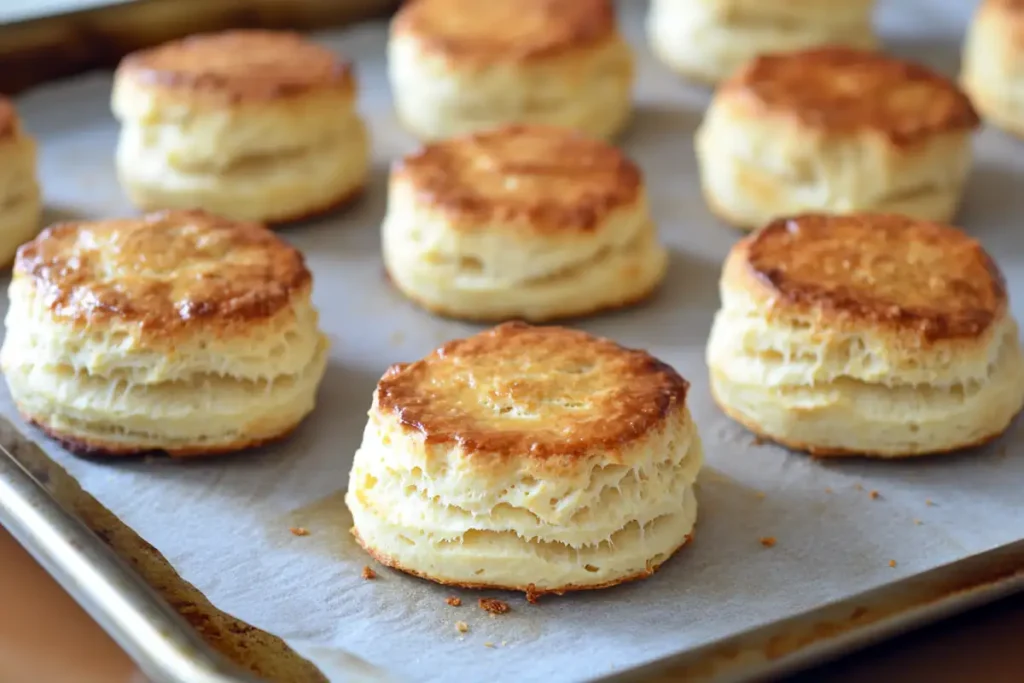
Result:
x=929 y=502
x=488 y=644
x=918 y=522
x=858 y=486
x=760 y=495
x=493 y=606
x=768 y=541
x=454 y=601
x=875 y=495
x=828 y=489
x=369 y=574
x=299 y=531
x=892 y=563
x=532 y=594
x=461 y=626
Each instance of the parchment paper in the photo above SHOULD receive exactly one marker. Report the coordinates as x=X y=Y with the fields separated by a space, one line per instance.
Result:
x=224 y=523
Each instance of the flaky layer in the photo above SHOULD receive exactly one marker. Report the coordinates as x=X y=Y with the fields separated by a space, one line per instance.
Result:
x=276 y=187
x=710 y=39
x=993 y=64
x=442 y=514
x=588 y=91
x=755 y=169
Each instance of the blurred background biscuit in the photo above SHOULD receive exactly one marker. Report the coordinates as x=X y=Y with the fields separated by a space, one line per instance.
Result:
x=708 y=40
x=178 y=331
x=250 y=125
x=461 y=66
x=527 y=222
x=835 y=130
x=870 y=334
x=20 y=197
x=537 y=459
x=993 y=63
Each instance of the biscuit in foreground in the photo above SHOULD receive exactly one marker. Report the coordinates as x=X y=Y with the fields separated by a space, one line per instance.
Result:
x=527 y=458
x=20 y=197
x=462 y=66
x=250 y=125
x=523 y=222
x=178 y=332
x=835 y=130
x=993 y=64
x=708 y=40
x=873 y=335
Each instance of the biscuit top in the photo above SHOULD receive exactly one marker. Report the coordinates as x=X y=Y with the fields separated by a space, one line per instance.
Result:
x=843 y=90
x=164 y=273
x=239 y=65
x=534 y=392
x=9 y=124
x=535 y=178
x=504 y=30
x=883 y=270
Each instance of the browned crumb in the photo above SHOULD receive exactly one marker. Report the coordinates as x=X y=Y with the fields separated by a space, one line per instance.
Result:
x=875 y=495
x=532 y=594
x=759 y=441
x=454 y=601
x=918 y=522
x=299 y=531
x=892 y=563
x=369 y=574
x=768 y=541
x=859 y=487
x=493 y=606
x=828 y=489
x=461 y=626
x=760 y=495
x=929 y=502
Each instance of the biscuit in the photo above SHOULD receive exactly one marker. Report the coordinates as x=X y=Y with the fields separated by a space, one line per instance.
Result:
x=993 y=63
x=834 y=130
x=875 y=335
x=462 y=66
x=537 y=459
x=249 y=125
x=177 y=331
x=708 y=40
x=527 y=222
x=20 y=198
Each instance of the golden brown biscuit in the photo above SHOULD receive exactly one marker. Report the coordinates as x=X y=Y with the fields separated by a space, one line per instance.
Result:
x=461 y=66
x=993 y=63
x=178 y=331
x=528 y=222
x=20 y=198
x=252 y=125
x=866 y=334
x=538 y=459
x=835 y=130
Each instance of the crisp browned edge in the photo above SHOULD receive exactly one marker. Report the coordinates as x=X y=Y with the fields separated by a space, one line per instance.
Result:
x=36 y=51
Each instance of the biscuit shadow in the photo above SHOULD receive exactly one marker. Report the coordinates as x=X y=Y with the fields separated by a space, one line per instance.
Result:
x=655 y=124
x=56 y=213
x=941 y=53
x=992 y=205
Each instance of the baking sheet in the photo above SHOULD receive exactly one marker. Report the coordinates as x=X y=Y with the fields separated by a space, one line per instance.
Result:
x=224 y=523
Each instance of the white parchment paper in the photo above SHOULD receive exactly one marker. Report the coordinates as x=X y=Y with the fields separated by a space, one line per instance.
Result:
x=224 y=523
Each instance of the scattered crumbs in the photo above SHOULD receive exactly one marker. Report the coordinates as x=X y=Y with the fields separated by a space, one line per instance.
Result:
x=918 y=522
x=768 y=541
x=858 y=486
x=461 y=626
x=369 y=574
x=828 y=489
x=892 y=563
x=929 y=502
x=875 y=495
x=488 y=644
x=493 y=606
x=454 y=601
x=760 y=495
x=299 y=531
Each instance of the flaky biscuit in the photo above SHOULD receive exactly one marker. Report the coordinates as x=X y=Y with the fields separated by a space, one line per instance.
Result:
x=525 y=222
x=527 y=458
x=708 y=40
x=877 y=335
x=835 y=130
x=463 y=66
x=20 y=197
x=177 y=332
x=993 y=63
x=250 y=125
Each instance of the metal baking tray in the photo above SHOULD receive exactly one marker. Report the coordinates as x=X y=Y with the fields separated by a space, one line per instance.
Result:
x=65 y=510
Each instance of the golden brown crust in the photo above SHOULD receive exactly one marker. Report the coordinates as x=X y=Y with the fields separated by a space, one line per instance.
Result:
x=9 y=124
x=531 y=591
x=166 y=272
x=536 y=178
x=471 y=31
x=239 y=66
x=886 y=271
x=111 y=449
x=840 y=90
x=583 y=394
